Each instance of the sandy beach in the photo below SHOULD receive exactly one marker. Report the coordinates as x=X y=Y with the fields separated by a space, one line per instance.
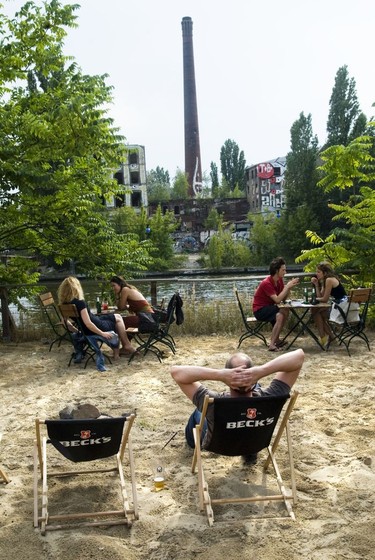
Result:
x=333 y=433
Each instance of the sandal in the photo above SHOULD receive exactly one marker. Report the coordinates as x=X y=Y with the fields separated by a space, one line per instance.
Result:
x=275 y=349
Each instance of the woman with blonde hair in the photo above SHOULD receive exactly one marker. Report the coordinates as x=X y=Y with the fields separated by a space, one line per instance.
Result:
x=327 y=285
x=70 y=291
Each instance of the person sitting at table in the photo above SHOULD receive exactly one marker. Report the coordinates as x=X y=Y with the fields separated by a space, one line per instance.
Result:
x=327 y=285
x=270 y=292
x=71 y=291
x=129 y=298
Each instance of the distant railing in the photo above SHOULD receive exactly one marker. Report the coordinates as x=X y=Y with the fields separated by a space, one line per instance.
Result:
x=9 y=327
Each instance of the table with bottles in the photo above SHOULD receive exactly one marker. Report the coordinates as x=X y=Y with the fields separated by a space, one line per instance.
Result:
x=301 y=311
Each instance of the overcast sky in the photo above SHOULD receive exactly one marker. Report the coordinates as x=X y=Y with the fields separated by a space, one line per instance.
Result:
x=258 y=65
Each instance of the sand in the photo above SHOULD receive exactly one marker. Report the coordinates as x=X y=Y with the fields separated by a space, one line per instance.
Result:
x=333 y=426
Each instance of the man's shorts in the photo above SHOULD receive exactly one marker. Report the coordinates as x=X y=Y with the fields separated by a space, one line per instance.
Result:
x=267 y=314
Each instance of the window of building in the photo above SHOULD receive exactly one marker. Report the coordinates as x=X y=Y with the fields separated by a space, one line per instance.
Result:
x=133 y=157
x=119 y=176
x=119 y=200
x=136 y=199
x=134 y=178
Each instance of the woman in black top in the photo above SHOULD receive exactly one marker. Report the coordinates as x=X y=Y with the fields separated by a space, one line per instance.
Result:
x=70 y=291
x=327 y=285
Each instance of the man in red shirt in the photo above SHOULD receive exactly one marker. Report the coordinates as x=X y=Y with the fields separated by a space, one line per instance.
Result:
x=270 y=292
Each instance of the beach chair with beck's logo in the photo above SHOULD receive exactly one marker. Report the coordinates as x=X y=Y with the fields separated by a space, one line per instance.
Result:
x=102 y=441
x=244 y=426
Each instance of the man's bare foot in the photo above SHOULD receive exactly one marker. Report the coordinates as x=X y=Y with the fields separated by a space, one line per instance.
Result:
x=127 y=351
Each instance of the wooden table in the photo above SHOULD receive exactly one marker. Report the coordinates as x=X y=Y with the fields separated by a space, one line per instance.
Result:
x=300 y=312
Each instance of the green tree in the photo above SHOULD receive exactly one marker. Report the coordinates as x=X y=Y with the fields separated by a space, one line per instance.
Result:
x=154 y=233
x=180 y=187
x=264 y=241
x=214 y=219
x=214 y=176
x=225 y=251
x=306 y=205
x=352 y=246
x=345 y=120
x=58 y=149
x=233 y=165
x=162 y=226
x=158 y=185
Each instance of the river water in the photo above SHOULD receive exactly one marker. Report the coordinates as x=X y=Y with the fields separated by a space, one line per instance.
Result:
x=200 y=289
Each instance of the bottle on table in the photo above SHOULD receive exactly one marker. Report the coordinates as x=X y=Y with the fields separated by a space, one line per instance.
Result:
x=98 y=305
x=306 y=294
x=313 y=296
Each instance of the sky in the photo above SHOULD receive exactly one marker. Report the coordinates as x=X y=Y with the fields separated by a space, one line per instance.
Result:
x=258 y=65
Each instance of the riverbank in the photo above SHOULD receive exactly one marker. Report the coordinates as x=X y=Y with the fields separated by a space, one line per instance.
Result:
x=332 y=428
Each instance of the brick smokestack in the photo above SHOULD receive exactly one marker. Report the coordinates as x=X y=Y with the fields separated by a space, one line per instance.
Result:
x=193 y=166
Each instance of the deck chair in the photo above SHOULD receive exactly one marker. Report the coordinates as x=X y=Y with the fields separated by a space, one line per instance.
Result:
x=243 y=426
x=5 y=478
x=54 y=319
x=100 y=440
x=252 y=325
x=348 y=319
x=161 y=334
x=91 y=344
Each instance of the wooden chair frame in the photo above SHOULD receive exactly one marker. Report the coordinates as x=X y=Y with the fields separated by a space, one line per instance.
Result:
x=252 y=325
x=54 y=319
x=289 y=498
x=348 y=330
x=124 y=516
x=3 y=474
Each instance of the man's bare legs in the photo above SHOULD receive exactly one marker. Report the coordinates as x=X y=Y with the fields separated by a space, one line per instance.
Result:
x=281 y=318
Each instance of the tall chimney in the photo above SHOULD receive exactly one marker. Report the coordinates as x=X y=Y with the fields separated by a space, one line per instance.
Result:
x=193 y=167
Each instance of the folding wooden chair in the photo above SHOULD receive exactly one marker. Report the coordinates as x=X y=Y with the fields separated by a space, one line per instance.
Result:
x=252 y=325
x=54 y=319
x=244 y=426
x=161 y=334
x=92 y=344
x=350 y=321
x=83 y=440
x=3 y=474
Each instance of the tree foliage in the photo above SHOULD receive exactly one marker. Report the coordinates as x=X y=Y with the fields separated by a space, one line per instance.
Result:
x=58 y=149
x=306 y=204
x=345 y=120
x=225 y=251
x=180 y=187
x=154 y=233
x=214 y=174
x=233 y=165
x=264 y=241
x=158 y=185
x=354 y=245
x=214 y=219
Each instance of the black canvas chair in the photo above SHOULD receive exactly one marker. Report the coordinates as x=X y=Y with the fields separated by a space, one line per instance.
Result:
x=348 y=319
x=89 y=345
x=252 y=325
x=161 y=334
x=102 y=441
x=243 y=426
x=54 y=319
